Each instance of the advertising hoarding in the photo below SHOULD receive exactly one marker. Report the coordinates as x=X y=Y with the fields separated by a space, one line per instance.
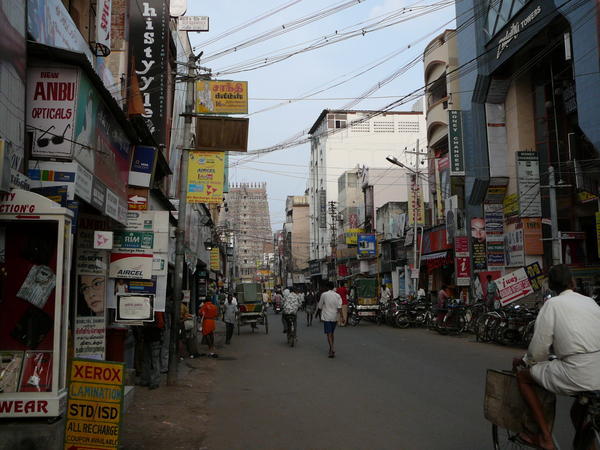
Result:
x=221 y=97
x=205 y=177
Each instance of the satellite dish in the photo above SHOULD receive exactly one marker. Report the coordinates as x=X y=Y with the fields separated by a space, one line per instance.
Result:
x=178 y=8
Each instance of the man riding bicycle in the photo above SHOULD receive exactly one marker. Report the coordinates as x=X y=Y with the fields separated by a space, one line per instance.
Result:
x=568 y=325
x=291 y=304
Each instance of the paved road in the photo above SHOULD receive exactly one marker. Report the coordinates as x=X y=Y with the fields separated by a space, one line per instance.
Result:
x=386 y=389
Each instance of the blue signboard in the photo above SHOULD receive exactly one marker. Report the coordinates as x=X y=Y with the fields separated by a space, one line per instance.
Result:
x=142 y=166
x=366 y=245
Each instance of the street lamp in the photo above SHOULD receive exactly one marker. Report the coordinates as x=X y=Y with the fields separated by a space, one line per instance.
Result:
x=415 y=206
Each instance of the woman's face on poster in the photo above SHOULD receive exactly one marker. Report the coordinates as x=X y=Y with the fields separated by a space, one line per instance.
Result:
x=92 y=288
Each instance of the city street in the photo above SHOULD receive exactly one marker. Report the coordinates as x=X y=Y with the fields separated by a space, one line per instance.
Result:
x=386 y=388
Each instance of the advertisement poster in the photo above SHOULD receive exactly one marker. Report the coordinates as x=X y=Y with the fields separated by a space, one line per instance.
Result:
x=85 y=127
x=221 y=97
x=528 y=180
x=135 y=307
x=131 y=266
x=10 y=370
x=511 y=205
x=532 y=236
x=514 y=250
x=91 y=299
x=462 y=262
x=36 y=374
x=513 y=286
x=351 y=236
x=205 y=177
x=494 y=231
x=148 y=31
x=478 y=244
x=367 y=245
x=133 y=241
x=215 y=260
x=90 y=337
x=535 y=275
x=142 y=166
x=51 y=94
x=92 y=262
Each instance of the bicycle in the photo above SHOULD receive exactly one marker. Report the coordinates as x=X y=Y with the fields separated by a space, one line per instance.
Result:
x=291 y=329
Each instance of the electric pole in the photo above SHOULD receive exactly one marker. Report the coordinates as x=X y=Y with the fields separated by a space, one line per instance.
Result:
x=181 y=215
x=333 y=228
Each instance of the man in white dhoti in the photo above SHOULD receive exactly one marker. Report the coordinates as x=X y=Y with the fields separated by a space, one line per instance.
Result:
x=568 y=325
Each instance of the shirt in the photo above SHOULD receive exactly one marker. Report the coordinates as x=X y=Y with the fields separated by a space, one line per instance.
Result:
x=329 y=303
x=291 y=303
x=385 y=294
x=569 y=324
x=230 y=310
x=343 y=293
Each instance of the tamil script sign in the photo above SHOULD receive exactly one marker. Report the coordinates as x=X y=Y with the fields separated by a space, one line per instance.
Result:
x=513 y=286
x=221 y=97
x=193 y=23
x=205 y=177
x=95 y=404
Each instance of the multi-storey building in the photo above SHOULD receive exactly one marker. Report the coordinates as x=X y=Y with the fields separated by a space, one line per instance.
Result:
x=341 y=140
x=296 y=238
x=247 y=216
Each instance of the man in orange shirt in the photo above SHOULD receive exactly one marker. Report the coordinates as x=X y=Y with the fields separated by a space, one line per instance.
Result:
x=209 y=312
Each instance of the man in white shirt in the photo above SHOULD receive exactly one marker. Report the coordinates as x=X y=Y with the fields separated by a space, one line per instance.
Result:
x=330 y=306
x=568 y=325
x=386 y=294
x=229 y=316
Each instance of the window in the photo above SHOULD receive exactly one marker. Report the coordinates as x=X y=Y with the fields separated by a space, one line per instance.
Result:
x=383 y=126
x=408 y=127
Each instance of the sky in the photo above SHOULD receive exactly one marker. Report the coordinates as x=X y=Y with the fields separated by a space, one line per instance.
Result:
x=286 y=171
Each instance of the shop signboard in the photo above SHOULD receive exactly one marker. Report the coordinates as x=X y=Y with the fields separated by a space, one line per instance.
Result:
x=51 y=93
x=514 y=248
x=494 y=232
x=133 y=241
x=130 y=265
x=98 y=195
x=511 y=205
x=215 y=259
x=137 y=199
x=192 y=23
x=351 y=236
x=416 y=206
x=455 y=143
x=366 y=245
x=322 y=208
x=103 y=240
x=528 y=180
x=95 y=405
x=314 y=267
x=142 y=166
x=149 y=31
x=70 y=174
x=205 y=177
x=462 y=261
x=513 y=286
x=535 y=275
x=221 y=97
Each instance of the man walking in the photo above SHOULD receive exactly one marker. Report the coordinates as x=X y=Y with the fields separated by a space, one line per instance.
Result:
x=343 y=292
x=229 y=316
x=330 y=305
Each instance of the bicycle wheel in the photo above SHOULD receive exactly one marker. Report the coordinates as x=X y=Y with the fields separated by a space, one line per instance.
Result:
x=481 y=326
x=505 y=439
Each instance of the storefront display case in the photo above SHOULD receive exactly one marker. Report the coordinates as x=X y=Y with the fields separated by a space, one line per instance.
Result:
x=35 y=259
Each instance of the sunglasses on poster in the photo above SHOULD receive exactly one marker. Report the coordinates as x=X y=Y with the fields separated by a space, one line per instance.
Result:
x=56 y=139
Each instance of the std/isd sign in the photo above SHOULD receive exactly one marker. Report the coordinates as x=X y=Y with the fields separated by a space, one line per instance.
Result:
x=95 y=405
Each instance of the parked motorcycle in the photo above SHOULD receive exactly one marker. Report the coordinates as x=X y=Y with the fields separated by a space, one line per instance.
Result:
x=353 y=317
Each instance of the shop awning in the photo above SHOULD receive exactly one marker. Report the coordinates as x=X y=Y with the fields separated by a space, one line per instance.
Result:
x=436 y=260
x=434 y=256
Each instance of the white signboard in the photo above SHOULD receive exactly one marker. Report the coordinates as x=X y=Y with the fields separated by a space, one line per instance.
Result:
x=130 y=265
x=92 y=262
x=51 y=95
x=135 y=307
x=514 y=250
x=90 y=337
x=528 y=178
x=78 y=180
x=513 y=286
x=103 y=240
x=193 y=23
x=159 y=264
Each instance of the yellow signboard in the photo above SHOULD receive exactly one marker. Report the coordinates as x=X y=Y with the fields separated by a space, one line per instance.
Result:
x=95 y=405
x=585 y=197
x=511 y=205
x=205 y=177
x=215 y=260
x=221 y=97
x=352 y=235
x=415 y=202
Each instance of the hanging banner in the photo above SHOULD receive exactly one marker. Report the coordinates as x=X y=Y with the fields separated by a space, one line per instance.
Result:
x=215 y=260
x=513 y=286
x=455 y=143
x=416 y=205
x=528 y=180
x=478 y=244
x=494 y=231
x=221 y=97
x=103 y=24
x=205 y=177
x=149 y=31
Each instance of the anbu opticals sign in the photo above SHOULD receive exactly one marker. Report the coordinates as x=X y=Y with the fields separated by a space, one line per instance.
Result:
x=51 y=95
